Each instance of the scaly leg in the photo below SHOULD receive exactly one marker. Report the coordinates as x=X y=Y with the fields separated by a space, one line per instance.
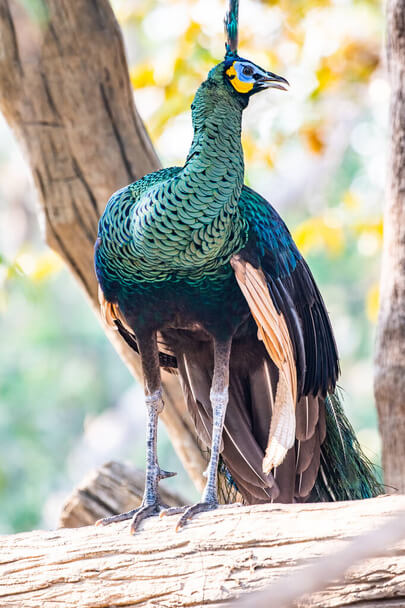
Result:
x=219 y=401
x=154 y=402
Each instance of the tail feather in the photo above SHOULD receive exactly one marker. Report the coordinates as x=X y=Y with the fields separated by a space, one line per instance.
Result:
x=345 y=472
x=241 y=453
x=305 y=480
x=324 y=464
x=305 y=452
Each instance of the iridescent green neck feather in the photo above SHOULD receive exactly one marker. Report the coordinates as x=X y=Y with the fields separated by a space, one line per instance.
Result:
x=185 y=222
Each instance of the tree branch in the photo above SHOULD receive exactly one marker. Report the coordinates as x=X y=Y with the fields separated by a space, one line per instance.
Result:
x=285 y=592
x=217 y=557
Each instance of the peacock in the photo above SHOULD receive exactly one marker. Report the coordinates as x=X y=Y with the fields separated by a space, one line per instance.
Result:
x=201 y=276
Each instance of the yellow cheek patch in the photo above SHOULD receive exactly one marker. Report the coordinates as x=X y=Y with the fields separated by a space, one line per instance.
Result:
x=238 y=85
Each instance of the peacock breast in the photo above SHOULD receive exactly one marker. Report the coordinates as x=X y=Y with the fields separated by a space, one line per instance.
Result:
x=213 y=303
x=178 y=227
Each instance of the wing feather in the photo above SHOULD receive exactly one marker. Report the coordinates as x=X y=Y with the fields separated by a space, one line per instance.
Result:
x=273 y=331
x=295 y=294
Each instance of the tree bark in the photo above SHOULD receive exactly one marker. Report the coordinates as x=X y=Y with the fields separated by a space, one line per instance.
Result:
x=65 y=91
x=218 y=556
x=390 y=353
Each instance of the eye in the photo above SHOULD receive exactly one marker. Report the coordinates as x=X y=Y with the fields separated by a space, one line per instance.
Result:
x=247 y=70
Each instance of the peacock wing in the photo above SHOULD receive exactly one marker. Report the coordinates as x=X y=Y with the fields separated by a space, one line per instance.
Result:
x=273 y=331
x=294 y=292
x=295 y=328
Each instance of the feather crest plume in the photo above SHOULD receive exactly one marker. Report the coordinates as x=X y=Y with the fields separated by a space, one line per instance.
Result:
x=231 y=28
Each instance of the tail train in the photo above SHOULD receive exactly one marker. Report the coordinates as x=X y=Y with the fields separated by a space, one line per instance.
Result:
x=345 y=472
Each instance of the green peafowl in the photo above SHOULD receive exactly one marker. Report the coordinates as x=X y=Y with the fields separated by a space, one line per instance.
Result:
x=200 y=275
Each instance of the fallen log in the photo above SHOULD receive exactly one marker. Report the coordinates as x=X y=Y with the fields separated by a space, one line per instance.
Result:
x=218 y=556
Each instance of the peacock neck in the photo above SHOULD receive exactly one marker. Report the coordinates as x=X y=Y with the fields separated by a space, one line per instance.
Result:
x=190 y=225
x=215 y=159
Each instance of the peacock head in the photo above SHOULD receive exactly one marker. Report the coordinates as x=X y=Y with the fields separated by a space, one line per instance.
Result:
x=247 y=78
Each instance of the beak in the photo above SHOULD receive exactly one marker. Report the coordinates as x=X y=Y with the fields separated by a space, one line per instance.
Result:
x=272 y=81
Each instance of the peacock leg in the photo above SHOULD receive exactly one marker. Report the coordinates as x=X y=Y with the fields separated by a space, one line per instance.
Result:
x=154 y=402
x=219 y=401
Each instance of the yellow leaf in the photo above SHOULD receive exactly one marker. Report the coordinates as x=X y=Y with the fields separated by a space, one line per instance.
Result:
x=319 y=233
x=47 y=263
x=313 y=138
x=373 y=302
x=142 y=75
x=39 y=267
x=249 y=147
x=327 y=78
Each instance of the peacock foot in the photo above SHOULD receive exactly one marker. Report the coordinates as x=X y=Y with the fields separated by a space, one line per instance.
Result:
x=135 y=515
x=188 y=511
x=151 y=504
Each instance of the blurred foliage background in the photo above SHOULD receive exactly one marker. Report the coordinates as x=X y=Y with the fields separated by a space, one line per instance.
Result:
x=317 y=153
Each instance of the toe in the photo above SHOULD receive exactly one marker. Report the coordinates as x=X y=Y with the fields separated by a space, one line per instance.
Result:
x=200 y=507
x=142 y=514
x=172 y=511
x=114 y=518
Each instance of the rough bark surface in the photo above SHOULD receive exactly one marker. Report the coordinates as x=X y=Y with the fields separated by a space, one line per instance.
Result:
x=218 y=556
x=65 y=91
x=390 y=354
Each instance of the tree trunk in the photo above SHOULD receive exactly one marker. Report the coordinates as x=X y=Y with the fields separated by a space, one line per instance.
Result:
x=390 y=354
x=218 y=556
x=65 y=91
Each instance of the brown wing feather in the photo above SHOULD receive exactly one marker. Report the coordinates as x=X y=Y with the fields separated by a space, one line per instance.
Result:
x=273 y=331
x=305 y=480
x=110 y=313
x=306 y=417
x=305 y=453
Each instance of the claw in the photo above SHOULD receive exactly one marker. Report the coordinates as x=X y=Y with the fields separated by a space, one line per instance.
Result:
x=105 y=521
x=188 y=511
x=165 y=474
x=141 y=514
x=200 y=507
x=136 y=515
